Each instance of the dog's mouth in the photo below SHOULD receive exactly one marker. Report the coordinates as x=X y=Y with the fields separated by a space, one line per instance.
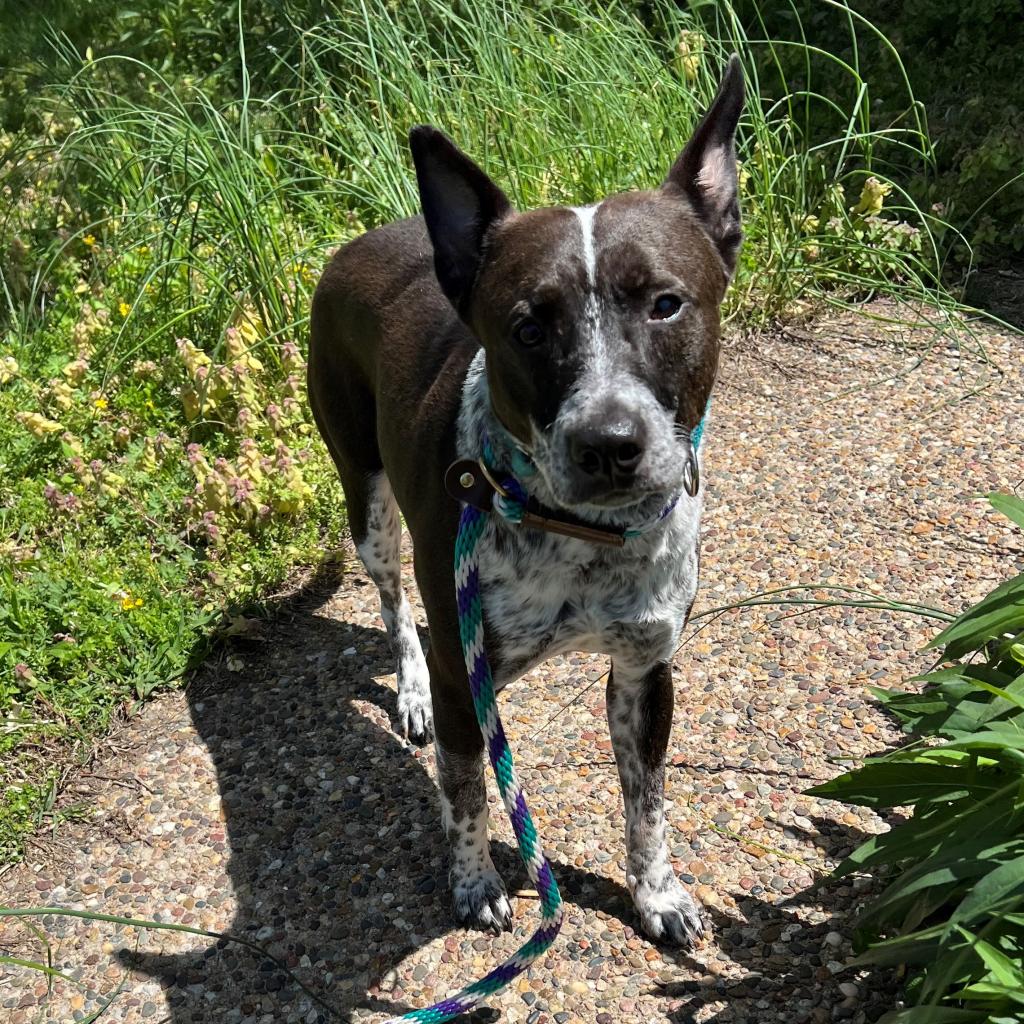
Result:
x=618 y=504
x=618 y=499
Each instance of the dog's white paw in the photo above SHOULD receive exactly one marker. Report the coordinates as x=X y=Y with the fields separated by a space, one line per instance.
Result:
x=481 y=901
x=415 y=713
x=669 y=913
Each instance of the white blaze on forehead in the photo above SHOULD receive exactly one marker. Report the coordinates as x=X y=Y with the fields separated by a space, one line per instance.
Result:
x=597 y=355
x=585 y=215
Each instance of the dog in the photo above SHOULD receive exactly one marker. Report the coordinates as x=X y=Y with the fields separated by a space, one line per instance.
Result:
x=573 y=349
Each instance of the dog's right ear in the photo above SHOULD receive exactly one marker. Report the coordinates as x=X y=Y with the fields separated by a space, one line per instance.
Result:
x=460 y=203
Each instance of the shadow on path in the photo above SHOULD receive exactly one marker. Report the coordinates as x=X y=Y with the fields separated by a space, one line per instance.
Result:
x=335 y=853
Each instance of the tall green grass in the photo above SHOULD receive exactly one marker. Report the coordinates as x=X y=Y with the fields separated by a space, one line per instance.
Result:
x=561 y=104
x=579 y=100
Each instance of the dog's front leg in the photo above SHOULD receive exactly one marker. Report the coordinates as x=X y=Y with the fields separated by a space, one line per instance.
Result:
x=640 y=720
x=477 y=889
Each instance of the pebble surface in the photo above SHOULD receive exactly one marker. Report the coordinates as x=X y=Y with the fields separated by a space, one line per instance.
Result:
x=274 y=800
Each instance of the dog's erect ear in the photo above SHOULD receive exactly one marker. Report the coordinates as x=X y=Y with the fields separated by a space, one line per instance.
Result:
x=459 y=204
x=705 y=171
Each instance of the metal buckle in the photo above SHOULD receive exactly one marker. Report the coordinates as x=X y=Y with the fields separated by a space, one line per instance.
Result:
x=691 y=475
x=490 y=479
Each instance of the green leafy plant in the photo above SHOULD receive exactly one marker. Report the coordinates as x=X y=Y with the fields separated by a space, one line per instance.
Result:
x=953 y=911
x=965 y=59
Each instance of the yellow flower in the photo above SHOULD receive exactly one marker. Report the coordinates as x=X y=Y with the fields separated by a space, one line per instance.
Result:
x=90 y=241
x=100 y=403
x=303 y=271
x=128 y=602
x=8 y=369
x=872 y=196
x=123 y=308
x=689 y=52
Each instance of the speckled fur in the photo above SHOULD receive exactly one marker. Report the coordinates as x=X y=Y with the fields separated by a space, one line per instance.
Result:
x=639 y=718
x=477 y=889
x=545 y=594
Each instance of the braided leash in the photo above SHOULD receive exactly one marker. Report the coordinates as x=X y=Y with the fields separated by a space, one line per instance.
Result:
x=481 y=684
x=472 y=522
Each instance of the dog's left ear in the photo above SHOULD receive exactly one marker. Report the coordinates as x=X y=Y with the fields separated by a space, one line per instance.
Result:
x=460 y=203
x=705 y=171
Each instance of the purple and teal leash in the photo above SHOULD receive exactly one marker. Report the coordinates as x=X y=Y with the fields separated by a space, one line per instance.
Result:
x=481 y=684
x=472 y=523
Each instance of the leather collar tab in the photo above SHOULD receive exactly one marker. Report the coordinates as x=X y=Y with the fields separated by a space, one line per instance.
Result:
x=466 y=481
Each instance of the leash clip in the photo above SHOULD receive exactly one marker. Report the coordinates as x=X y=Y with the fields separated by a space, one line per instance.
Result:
x=691 y=475
x=482 y=466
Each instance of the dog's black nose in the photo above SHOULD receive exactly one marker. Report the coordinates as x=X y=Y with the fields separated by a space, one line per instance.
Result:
x=611 y=452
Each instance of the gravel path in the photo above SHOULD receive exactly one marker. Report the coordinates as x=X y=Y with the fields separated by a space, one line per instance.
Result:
x=274 y=800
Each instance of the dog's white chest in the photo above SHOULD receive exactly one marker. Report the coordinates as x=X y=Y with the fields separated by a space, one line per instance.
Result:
x=545 y=595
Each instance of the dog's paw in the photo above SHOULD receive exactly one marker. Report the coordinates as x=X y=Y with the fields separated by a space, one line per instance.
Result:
x=670 y=914
x=415 y=714
x=481 y=902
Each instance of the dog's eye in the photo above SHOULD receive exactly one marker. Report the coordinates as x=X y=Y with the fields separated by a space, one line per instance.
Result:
x=529 y=333
x=666 y=307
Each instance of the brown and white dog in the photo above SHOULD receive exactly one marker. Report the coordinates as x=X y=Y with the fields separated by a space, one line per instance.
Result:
x=582 y=344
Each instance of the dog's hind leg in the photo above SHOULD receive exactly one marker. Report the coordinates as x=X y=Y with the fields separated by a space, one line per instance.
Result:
x=379 y=547
x=345 y=412
x=640 y=720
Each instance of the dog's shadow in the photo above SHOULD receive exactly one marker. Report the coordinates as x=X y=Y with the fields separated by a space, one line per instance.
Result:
x=333 y=846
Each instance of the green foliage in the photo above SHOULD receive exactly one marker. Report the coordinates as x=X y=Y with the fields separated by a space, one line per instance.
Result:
x=965 y=59
x=954 y=907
